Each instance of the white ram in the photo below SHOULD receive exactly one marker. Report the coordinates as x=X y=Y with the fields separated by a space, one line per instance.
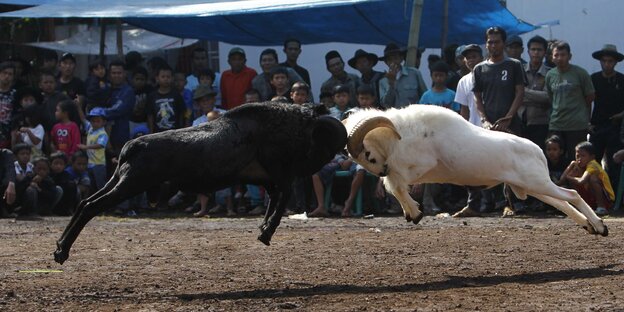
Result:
x=430 y=144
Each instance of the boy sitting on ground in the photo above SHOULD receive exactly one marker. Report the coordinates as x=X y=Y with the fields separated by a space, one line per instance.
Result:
x=588 y=178
x=42 y=194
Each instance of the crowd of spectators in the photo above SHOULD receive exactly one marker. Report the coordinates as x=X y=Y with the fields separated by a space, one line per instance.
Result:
x=65 y=133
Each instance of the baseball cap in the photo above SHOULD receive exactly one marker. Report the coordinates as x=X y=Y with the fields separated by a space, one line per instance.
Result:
x=97 y=112
x=471 y=47
x=68 y=56
x=236 y=50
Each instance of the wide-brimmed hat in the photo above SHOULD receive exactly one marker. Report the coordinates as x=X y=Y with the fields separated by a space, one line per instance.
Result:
x=203 y=90
x=361 y=53
x=608 y=49
x=392 y=48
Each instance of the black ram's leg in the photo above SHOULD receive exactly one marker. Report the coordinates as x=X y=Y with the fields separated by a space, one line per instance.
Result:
x=274 y=199
x=276 y=217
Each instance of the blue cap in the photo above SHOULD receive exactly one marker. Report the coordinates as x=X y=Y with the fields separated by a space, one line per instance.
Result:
x=97 y=112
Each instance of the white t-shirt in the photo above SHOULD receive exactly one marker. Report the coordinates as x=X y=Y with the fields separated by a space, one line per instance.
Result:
x=38 y=132
x=464 y=96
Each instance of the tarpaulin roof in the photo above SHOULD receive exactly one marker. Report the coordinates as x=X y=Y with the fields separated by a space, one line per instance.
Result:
x=87 y=41
x=263 y=22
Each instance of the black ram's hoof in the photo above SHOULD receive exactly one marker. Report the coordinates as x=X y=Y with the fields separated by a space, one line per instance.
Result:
x=265 y=239
x=60 y=256
x=418 y=218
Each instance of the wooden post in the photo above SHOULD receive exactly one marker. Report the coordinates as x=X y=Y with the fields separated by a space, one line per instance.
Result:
x=102 y=37
x=445 y=24
x=414 y=33
x=120 y=52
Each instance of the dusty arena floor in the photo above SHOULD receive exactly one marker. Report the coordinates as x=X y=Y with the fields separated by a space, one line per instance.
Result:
x=379 y=264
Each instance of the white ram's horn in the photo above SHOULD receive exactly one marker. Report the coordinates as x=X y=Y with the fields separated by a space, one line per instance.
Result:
x=355 y=143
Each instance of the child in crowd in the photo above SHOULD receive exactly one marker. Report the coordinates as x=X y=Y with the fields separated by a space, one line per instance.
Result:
x=321 y=179
x=557 y=163
x=440 y=95
x=42 y=194
x=51 y=98
x=278 y=78
x=300 y=93
x=23 y=169
x=252 y=96
x=179 y=83
x=32 y=132
x=206 y=78
x=62 y=179
x=165 y=107
x=79 y=174
x=98 y=88
x=588 y=178
x=205 y=98
x=65 y=133
x=141 y=89
x=95 y=146
x=341 y=101
x=327 y=99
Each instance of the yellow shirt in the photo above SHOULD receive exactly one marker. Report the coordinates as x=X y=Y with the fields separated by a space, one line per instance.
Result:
x=593 y=167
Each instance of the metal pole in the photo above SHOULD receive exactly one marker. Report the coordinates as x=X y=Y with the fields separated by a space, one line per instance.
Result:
x=414 y=33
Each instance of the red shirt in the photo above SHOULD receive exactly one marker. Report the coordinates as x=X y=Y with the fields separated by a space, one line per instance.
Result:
x=234 y=85
x=66 y=137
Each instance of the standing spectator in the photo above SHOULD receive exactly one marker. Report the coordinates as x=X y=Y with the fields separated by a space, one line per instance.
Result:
x=335 y=66
x=133 y=60
x=95 y=146
x=98 y=88
x=68 y=83
x=472 y=55
x=198 y=64
x=608 y=110
x=65 y=133
x=7 y=180
x=165 y=107
x=292 y=49
x=571 y=92
x=7 y=102
x=514 y=48
x=141 y=89
x=49 y=62
x=262 y=82
x=439 y=94
x=279 y=82
x=535 y=110
x=499 y=89
x=402 y=85
x=364 y=62
x=236 y=81
x=452 y=77
x=51 y=98
x=119 y=108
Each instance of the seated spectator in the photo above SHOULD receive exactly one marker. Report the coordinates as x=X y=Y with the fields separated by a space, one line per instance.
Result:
x=79 y=174
x=300 y=93
x=588 y=178
x=42 y=194
x=341 y=101
x=252 y=96
x=7 y=180
x=24 y=172
x=32 y=132
x=322 y=178
x=62 y=179
x=555 y=158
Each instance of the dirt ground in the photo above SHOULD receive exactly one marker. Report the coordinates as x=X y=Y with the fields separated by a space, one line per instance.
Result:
x=378 y=264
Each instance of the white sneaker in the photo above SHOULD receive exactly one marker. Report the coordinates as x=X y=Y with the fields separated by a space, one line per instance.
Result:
x=601 y=211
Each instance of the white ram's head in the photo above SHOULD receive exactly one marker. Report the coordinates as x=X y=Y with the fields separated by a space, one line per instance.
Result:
x=370 y=143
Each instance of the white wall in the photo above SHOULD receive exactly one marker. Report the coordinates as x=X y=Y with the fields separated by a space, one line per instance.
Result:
x=586 y=25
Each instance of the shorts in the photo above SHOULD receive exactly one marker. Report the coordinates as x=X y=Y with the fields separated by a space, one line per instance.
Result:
x=326 y=174
x=589 y=197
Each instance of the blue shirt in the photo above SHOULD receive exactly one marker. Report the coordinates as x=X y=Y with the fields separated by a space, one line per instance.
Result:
x=119 y=111
x=445 y=98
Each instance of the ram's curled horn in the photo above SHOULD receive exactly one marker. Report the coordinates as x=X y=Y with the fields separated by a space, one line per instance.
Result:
x=355 y=143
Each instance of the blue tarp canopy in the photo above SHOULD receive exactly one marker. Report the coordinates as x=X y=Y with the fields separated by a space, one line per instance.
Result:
x=262 y=22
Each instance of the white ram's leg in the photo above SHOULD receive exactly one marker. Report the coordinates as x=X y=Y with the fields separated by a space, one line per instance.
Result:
x=409 y=205
x=566 y=208
x=589 y=220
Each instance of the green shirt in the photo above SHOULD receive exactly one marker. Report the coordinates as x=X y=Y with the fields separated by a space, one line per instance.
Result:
x=568 y=91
